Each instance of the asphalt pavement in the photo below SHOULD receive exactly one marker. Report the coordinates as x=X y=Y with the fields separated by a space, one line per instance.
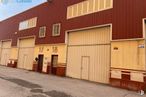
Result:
x=23 y=83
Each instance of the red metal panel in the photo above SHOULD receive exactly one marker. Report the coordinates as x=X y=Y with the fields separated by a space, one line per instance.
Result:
x=47 y=13
x=126 y=17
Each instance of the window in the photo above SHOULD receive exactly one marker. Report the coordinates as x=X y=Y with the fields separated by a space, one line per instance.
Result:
x=42 y=32
x=28 y=24
x=32 y=22
x=87 y=7
x=101 y=4
x=23 y=25
x=56 y=29
x=108 y=3
x=70 y=11
x=96 y=5
x=75 y=11
x=91 y=5
x=80 y=7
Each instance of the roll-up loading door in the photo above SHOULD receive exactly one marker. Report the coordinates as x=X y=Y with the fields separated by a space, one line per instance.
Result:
x=88 y=55
x=5 y=52
x=26 y=53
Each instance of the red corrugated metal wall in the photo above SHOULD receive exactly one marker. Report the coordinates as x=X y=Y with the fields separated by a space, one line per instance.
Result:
x=126 y=17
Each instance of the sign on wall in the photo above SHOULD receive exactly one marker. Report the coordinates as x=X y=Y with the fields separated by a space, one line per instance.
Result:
x=55 y=49
x=141 y=46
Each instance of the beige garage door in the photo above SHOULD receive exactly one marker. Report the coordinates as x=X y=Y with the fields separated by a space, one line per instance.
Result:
x=89 y=54
x=5 y=52
x=26 y=53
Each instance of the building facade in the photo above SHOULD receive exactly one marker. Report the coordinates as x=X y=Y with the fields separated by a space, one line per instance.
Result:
x=97 y=40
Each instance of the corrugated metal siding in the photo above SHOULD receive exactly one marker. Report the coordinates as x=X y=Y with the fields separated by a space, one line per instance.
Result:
x=6 y=44
x=46 y=17
x=99 y=62
x=128 y=55
x=5 y=52
x=26 y=53
x=91 y=36
x=126 y=17
x=5 y=55
x=27 y=42
x=83 y=44
x=14 y=53
x=25 y=58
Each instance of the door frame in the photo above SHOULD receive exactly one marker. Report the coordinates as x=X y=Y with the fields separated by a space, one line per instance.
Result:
x=18 y=46
x=1 y=48
x=86 y=28
x=51 y=69
x=38 y=65
x=83 y=68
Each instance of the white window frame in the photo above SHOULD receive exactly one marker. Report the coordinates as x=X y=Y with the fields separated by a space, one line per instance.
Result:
x=45 y=29
x=72 y=6
x=22 y=27
x=53 y=34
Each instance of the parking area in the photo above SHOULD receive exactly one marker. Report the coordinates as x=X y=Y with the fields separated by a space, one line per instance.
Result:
x=22 y=83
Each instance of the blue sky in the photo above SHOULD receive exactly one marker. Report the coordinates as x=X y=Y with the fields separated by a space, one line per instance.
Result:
x=9 y=8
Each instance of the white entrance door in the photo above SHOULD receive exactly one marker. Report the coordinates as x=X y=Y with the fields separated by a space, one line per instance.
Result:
x=85 y=67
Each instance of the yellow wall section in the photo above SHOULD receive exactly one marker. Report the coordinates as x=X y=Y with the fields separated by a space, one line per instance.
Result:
x=128 y=55
x=14 y=53
x=47 y=50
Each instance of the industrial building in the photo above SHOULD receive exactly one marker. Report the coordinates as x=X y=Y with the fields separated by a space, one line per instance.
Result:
x=97 y=40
